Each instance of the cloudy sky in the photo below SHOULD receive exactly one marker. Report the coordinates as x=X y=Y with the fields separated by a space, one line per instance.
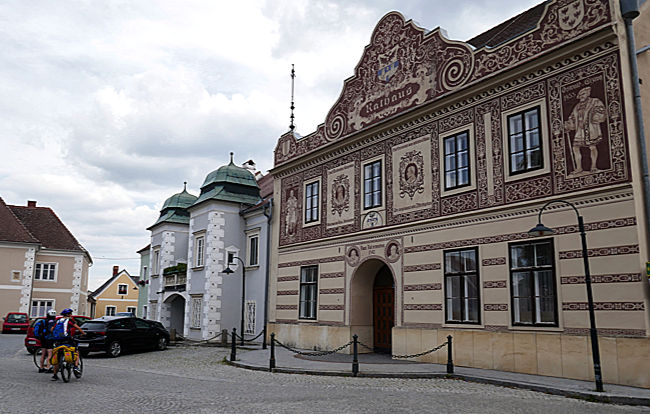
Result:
x=106 y=107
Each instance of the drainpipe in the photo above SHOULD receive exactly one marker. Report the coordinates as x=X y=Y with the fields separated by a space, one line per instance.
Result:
x=268 y=212
x=630 y=11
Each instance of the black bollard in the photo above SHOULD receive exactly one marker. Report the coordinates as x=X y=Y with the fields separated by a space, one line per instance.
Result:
x=272 y=359
x=450 y=363
x=355 y=355
x=233 y=345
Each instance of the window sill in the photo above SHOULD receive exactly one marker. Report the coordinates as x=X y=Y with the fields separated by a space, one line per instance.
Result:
x=194 y=328
x=464 y=325
x=154 y=276
x=253 y=267
x=307 y=320
x=535 y=328
x=311 y=223
x=196 y=269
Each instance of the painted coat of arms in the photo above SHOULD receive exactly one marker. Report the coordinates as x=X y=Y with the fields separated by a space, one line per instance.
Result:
x=341 y=194
x=570 y=16
x=411 y=174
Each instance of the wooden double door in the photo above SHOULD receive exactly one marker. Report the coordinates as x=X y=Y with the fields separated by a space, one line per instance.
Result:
x=383 y=306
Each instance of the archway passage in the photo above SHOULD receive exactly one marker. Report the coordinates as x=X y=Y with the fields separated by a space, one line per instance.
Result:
x=176 y=304
x=383 y=310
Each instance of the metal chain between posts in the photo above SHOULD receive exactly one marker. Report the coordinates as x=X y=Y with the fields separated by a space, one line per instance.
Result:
x=442 y=345
x=250 y=340
x=203 y=340
x=310 y=353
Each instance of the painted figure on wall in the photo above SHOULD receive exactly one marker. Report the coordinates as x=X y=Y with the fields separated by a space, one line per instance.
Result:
x=411 y=173
x=585 y=120
x=392 y=251
x=353 y=256
x=292 y=213
x=340 y=194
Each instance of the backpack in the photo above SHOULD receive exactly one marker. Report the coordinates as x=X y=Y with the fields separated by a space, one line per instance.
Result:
x=60 y=330
x=40 y=329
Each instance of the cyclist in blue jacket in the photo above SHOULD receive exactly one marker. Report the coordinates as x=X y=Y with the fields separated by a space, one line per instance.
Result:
x=66 y=339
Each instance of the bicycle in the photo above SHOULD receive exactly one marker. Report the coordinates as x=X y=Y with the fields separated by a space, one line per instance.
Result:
x=64 y=356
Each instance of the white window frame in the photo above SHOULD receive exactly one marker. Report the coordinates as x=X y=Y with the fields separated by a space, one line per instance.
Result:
x=362 y=184
x=153 y=310
x=318 y=202
x=544 y=140
x=38 y=271
x=42 y=304
x=310 y=305
x=126 y=287
x=106 y=312
x=234 y=251
x=472 y=160
x=197 y=312
x=249 y=258
x=155 y=261
x=199 y=250
x=132 y=309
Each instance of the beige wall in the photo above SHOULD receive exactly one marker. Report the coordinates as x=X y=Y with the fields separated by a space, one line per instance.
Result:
x=11 y=259
x=110 y=296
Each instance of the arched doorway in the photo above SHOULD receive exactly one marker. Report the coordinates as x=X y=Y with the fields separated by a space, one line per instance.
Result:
x=383 y=310
x=175 y=306
x=372 y=304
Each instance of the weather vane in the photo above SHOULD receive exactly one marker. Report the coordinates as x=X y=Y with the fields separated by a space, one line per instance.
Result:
x=293 y=76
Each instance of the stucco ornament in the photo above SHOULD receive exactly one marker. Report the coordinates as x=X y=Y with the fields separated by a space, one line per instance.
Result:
x=411 y=177
x=571 y=15
x=585 y=120
x=292 y=213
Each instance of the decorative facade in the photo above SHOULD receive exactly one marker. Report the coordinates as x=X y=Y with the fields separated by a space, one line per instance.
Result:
x=196 y=239
x=432 y=166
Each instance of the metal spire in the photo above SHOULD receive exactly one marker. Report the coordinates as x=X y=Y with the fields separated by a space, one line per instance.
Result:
x=231 y=154
x=293 y=76
x=184 y=185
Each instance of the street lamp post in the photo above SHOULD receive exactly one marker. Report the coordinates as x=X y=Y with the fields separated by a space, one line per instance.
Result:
x=542 y=230
x=229 y=271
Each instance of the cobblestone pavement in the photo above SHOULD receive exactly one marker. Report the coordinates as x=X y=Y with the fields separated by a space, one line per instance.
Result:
x=195 y=380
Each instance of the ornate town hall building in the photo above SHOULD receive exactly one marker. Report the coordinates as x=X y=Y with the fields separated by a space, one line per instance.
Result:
x=404 y=217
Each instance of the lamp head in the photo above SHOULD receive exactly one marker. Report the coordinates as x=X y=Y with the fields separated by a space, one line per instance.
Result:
x=540 y=230
x=228 y=271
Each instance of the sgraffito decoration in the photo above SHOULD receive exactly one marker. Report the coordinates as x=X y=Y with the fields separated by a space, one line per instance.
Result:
x=341 y=194
x=411 y=174
x=405 y=66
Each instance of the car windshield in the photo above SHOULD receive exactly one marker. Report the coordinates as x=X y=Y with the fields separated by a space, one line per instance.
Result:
x=94 y=326
x=17 y=318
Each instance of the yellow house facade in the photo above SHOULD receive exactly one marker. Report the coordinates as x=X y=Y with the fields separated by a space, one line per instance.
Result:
x=117 y=294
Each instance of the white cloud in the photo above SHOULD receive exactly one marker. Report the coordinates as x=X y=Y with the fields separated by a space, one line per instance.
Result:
x=107 y=107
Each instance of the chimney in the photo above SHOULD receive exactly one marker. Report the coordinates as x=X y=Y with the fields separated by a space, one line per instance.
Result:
x=31 y=203
x=116 y=270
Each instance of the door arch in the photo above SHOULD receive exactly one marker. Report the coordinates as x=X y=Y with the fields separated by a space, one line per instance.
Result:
x=372 y=304
x=175 y=307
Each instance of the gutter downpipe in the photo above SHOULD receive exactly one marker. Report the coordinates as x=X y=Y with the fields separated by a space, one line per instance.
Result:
x=268 y=212
x=630 y=11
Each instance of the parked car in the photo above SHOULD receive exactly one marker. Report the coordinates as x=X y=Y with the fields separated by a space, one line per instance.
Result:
x=32 y=343
x=15 y=322
x=116 y=334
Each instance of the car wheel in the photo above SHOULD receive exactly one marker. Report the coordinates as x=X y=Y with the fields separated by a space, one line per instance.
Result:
x=31 y=350
x=114 y=349
x=162 y=343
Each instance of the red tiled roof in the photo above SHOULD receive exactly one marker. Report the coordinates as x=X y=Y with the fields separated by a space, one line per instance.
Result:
x=509 y=29
x=11 y=228
x=266 y=185
x=46 y=227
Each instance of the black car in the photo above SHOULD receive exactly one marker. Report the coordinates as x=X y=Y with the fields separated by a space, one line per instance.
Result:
x=115 y=334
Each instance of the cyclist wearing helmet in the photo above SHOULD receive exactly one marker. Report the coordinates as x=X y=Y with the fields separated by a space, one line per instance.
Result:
x=43 y=328
x=68 y=324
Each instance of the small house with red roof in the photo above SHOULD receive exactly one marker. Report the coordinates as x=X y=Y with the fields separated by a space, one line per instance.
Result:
x=42 y=265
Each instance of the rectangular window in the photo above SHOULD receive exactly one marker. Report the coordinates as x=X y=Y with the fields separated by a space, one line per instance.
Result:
x=199 y=251
x=122 y=289
x=110 y=311
x=131 y=309
x=153 y=308
x=45 y=271
x=249 y=321
x=532 y=284
x=462 y=286
x=457 y=160
x=40 y=307
x=144 y=273
x=231 y=258
x=155 y=262
x=145 y=314
x=524 y=141
x=308 y=291
x=197 y=309
x=372 y=185
x=311 y=202
x=253 y=250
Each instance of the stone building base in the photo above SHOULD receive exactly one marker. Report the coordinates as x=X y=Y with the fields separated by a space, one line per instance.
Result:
x=625 y=361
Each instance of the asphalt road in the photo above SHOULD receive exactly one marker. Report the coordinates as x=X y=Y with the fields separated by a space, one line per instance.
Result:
x=195 y=380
